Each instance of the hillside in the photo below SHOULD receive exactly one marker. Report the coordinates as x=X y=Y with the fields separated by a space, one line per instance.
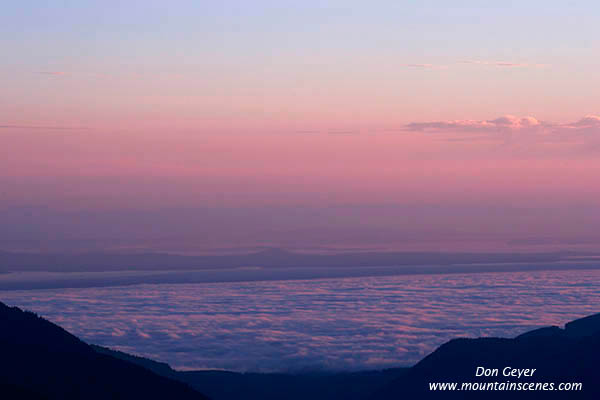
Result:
x=40 y=360
x=227 y=385
x=568 y=355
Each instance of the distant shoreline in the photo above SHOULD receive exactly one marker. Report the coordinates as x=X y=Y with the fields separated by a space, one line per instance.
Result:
x=44 y=280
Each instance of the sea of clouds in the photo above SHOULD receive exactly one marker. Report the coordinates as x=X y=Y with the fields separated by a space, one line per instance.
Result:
x=305 y=325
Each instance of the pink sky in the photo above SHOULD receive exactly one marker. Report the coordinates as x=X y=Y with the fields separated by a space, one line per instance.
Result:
x=112 y=108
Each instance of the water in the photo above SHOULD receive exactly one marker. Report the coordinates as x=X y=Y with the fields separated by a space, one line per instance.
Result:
x=334 y=324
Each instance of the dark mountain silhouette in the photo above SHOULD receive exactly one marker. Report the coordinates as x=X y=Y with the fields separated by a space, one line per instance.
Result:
x=226 y=385
x=9 y=391
x=558 y=355
x=314 y=386
x=157 y=367
x=40 y=360
x=269 y=258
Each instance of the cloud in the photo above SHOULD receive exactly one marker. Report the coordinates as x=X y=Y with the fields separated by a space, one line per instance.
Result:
x=527 y=135
x=424 y=66
x=343 y=132
x=53 y=73
x=508 y=123
x=56 y=127
x=589 y=121
x=504 y=64
x=420 y=65
x=500 y=64
x=501 y=124
x=339 y=324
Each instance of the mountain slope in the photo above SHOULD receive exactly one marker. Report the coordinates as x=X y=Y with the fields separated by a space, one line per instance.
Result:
x=567 y=355
x=41 y=360
x=226 y=385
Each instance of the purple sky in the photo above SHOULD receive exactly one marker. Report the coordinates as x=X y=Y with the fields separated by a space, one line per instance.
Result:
x=405 y=125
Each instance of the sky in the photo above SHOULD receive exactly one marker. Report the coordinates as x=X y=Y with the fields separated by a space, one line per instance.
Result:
x=187 y=125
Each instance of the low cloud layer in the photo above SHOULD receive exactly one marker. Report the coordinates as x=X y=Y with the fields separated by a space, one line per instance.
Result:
x=334 y=324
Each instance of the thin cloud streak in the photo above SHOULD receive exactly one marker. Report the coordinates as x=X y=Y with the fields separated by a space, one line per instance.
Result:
x=42 y=127
x=499 y=64
x=53 y=73
x=504 y=64
x=419 y=65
